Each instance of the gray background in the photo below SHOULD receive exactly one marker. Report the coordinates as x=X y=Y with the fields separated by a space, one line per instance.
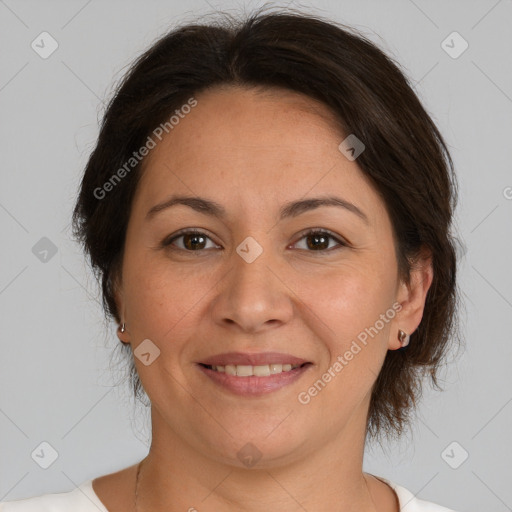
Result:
x=55 y=381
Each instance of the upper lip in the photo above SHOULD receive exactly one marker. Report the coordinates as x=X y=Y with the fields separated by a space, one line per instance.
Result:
x=240 y=358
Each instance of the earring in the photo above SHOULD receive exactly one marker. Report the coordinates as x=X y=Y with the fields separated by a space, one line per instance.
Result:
x=404 y=338
x=123 y=327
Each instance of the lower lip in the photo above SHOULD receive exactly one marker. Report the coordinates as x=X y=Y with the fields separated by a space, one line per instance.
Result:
x=254 y=386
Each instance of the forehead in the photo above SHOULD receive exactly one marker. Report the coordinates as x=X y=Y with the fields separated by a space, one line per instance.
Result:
x=250 y=147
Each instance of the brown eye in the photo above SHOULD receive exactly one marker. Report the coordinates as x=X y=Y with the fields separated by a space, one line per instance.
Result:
x=190 y=241
x=196 y=241
x=319 y=240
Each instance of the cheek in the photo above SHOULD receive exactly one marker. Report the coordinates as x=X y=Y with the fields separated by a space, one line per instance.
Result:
x=161 y=296
x=162 y=306
x=347 y=322
x=347 y=299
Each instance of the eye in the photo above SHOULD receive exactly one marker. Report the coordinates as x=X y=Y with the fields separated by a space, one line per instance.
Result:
x=191 y=241
x=318 y=240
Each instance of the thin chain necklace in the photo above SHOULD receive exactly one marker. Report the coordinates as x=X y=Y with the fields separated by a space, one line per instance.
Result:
x=137 y=485
x=139 y=466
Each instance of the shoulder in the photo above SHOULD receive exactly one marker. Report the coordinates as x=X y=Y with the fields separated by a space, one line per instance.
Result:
x=409 y=503
x=81 y=499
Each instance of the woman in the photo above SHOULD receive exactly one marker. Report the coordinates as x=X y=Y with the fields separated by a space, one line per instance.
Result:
x=269 y=207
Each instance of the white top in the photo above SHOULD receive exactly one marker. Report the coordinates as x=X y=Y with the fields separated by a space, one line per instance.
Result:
x=84 y=499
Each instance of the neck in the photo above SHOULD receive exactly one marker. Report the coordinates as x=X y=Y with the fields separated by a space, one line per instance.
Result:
x=175 y=477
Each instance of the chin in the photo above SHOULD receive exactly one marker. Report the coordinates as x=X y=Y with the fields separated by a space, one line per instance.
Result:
x=261 y=447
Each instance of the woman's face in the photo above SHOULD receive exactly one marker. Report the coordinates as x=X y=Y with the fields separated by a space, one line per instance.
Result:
x=253 y=282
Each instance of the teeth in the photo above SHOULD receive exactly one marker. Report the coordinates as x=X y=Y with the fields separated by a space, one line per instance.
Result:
x=244 y=370
x=260 y=371
x=230 y=369
x=275 y=368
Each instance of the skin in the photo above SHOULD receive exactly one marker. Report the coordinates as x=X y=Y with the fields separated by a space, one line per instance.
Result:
x=252 y=152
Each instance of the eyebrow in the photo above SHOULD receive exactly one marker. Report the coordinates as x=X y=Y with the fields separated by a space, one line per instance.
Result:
x=291 y=209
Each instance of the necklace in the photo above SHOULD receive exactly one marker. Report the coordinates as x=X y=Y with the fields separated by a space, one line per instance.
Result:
x=139 y=466
x=137 y=485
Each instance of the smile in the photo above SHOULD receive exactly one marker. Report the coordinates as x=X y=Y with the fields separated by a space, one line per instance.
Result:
x=253 y=380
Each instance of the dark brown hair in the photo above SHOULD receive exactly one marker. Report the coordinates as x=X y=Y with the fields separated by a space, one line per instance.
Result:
x=405 y=158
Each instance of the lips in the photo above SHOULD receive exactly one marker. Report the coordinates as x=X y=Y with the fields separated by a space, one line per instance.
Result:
x=253 y=385
x=253 y=375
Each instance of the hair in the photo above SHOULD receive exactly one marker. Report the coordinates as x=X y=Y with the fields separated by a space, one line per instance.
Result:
x=405 y=159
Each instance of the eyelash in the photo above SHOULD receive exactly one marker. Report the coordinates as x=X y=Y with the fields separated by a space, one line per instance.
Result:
x=167 y=243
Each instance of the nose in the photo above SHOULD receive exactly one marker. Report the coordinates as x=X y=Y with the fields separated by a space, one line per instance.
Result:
x=254 y=297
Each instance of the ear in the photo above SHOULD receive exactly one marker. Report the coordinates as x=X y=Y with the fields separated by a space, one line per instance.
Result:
x=412 y=296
